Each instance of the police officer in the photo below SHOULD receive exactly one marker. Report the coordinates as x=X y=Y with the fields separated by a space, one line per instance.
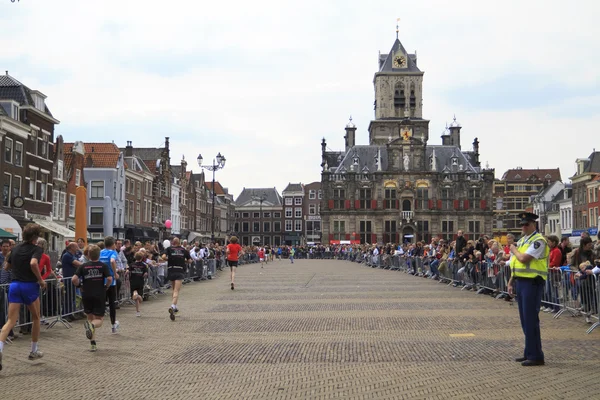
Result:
x=529 y=269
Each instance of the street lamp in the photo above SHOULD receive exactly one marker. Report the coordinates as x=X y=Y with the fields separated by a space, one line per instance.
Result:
x=260 y=198
x=217 y=164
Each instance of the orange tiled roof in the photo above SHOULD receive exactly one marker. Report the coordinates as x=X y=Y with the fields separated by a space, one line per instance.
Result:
x=218 y=187
x=97 y=155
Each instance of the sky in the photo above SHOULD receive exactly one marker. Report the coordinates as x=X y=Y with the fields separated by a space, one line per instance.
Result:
x=263 y=82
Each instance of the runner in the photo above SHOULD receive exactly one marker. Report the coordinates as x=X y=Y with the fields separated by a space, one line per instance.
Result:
x=91 y=277
x=261 y=256
x=138 y=272
x=177 y=258
x=267 y=254
x=25 y=287
x=234 y=250
x=109 y=256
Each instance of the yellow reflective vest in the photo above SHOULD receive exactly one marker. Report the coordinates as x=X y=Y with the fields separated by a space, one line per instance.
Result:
x=536 y=267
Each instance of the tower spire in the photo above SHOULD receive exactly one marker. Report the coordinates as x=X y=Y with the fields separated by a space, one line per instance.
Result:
x=397 y=27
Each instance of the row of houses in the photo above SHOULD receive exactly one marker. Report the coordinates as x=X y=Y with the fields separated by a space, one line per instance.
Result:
x=131 y=191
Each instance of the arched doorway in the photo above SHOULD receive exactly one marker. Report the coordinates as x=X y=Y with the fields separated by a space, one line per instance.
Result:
x=408 y=234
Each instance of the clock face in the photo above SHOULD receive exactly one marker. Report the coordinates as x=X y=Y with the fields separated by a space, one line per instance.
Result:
x=399 y=62
x=406 y=133
x=18 y=202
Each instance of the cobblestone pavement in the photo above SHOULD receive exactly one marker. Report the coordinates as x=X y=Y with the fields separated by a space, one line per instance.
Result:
x=312 y=330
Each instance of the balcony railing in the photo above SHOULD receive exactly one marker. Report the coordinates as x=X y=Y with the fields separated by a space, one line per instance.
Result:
x=407 y=215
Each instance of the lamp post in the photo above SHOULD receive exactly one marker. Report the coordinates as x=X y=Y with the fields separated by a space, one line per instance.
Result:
x=260 y=198
x=217 y=164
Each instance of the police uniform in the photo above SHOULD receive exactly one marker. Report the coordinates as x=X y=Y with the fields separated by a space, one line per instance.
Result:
x=531 y=278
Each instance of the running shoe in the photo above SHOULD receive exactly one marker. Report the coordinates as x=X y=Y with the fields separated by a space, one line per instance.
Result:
x=115 y=327
x=172 y=313
x=0 y=361
x=232 y=286
x=35 y=355
x=138 y=314
x=93 y=348
x=89 y=330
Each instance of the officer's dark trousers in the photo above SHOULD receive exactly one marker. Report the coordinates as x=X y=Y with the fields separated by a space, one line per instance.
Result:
x=529 y=298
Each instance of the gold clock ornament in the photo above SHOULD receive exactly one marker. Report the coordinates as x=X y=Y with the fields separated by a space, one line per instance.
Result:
x=406 y=133
x=399 y=62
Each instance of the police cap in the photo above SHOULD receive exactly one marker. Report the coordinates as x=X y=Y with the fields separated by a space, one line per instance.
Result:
x=527 y=217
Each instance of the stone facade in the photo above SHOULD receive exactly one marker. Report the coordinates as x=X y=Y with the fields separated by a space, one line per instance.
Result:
x=400 y=188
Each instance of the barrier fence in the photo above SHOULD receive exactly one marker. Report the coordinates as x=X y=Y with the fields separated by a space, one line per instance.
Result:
x=61 y=299
x=566 y=291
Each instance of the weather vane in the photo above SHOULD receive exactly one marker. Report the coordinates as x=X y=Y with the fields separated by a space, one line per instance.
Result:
x=397 y=27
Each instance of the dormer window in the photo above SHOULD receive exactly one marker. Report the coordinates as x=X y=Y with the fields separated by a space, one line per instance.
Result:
x=454 y=161
x=38 y=100
x=517 y=176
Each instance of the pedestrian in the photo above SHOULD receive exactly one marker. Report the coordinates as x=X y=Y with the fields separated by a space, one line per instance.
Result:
x=25 y=287
x=4 y=284
x=292 y=253
x=94 y=278
x=138 y=272
x=261 y=256
x=529 y=268
x=109 y=256
x=177 y=257
x=233 y=252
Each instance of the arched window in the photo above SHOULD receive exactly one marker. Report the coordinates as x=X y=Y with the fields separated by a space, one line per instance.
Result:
x=399 y=96
x=406 y=205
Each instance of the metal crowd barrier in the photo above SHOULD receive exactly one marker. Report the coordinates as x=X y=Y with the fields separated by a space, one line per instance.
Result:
x=566 y=290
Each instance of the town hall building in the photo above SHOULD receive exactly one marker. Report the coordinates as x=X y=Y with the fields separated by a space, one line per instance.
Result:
x=399 y=188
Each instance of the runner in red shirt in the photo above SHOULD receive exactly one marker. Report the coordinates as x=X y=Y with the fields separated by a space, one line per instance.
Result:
x=261 y=256
x=234 y=250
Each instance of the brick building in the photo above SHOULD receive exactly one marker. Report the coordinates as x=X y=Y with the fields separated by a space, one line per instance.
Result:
x=258 y=217
x=312 y=212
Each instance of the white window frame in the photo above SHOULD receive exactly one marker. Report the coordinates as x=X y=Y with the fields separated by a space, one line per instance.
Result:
x=298 y=201
x=289 y=201
x=320 y=194
x=288 y=225
x=289 y=212
x=312 y=195
x=96 y=208
x=12 y=188
x=62 y=198
x=55 y=203
x=33 y=193
x=44 y=187
x=298 y=225
x=60 y=169
x=9 y=160
x=276 y=215
x=7 y=178
x=298 y=212
x=20 y=160
x=97 y=187
x=77 y=177
x=72 y=202
x=312 y=209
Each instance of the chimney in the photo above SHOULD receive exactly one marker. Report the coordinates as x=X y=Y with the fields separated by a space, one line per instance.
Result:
x=455 y=133
x=167 y=143
x=476 y=151
x=129 y=149
x=323 y=148
x=446 y=136
x=350 y=135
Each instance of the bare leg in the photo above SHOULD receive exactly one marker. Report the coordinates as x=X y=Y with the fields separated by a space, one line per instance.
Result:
x=34 y=309
x=176 y=288
x=232 y=274
x=97 y=322
x=13 y=315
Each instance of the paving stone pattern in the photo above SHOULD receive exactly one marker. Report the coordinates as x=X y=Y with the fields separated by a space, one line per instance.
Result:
x=313 y=330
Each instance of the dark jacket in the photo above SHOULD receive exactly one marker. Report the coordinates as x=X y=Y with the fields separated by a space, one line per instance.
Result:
x=461 y=243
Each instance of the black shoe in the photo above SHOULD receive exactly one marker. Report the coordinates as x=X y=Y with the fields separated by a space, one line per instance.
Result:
x=171 y=313
x=521 y=359
x=232 y=286
x=532 y=363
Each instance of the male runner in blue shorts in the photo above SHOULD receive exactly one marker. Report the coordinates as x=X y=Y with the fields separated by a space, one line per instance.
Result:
x=25 y=287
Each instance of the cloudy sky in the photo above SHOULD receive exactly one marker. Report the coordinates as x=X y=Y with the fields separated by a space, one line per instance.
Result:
x=263 y=81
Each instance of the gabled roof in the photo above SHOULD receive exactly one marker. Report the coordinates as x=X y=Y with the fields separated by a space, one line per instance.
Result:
x=524 y=175
x=385 y=60
x=130 y=160
x=218 y=188
x=10 y=88
x=147 y=153
x=294 y=187
x=444 y=156
x=593 y=163
x=272 y=197
x=97 y=155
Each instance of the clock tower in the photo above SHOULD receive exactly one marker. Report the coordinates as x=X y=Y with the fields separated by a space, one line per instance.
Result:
x=399 y=119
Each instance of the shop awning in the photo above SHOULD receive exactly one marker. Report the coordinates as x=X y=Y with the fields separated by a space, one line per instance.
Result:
x=6 y=235
x=56 y=228
x=10 y=225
